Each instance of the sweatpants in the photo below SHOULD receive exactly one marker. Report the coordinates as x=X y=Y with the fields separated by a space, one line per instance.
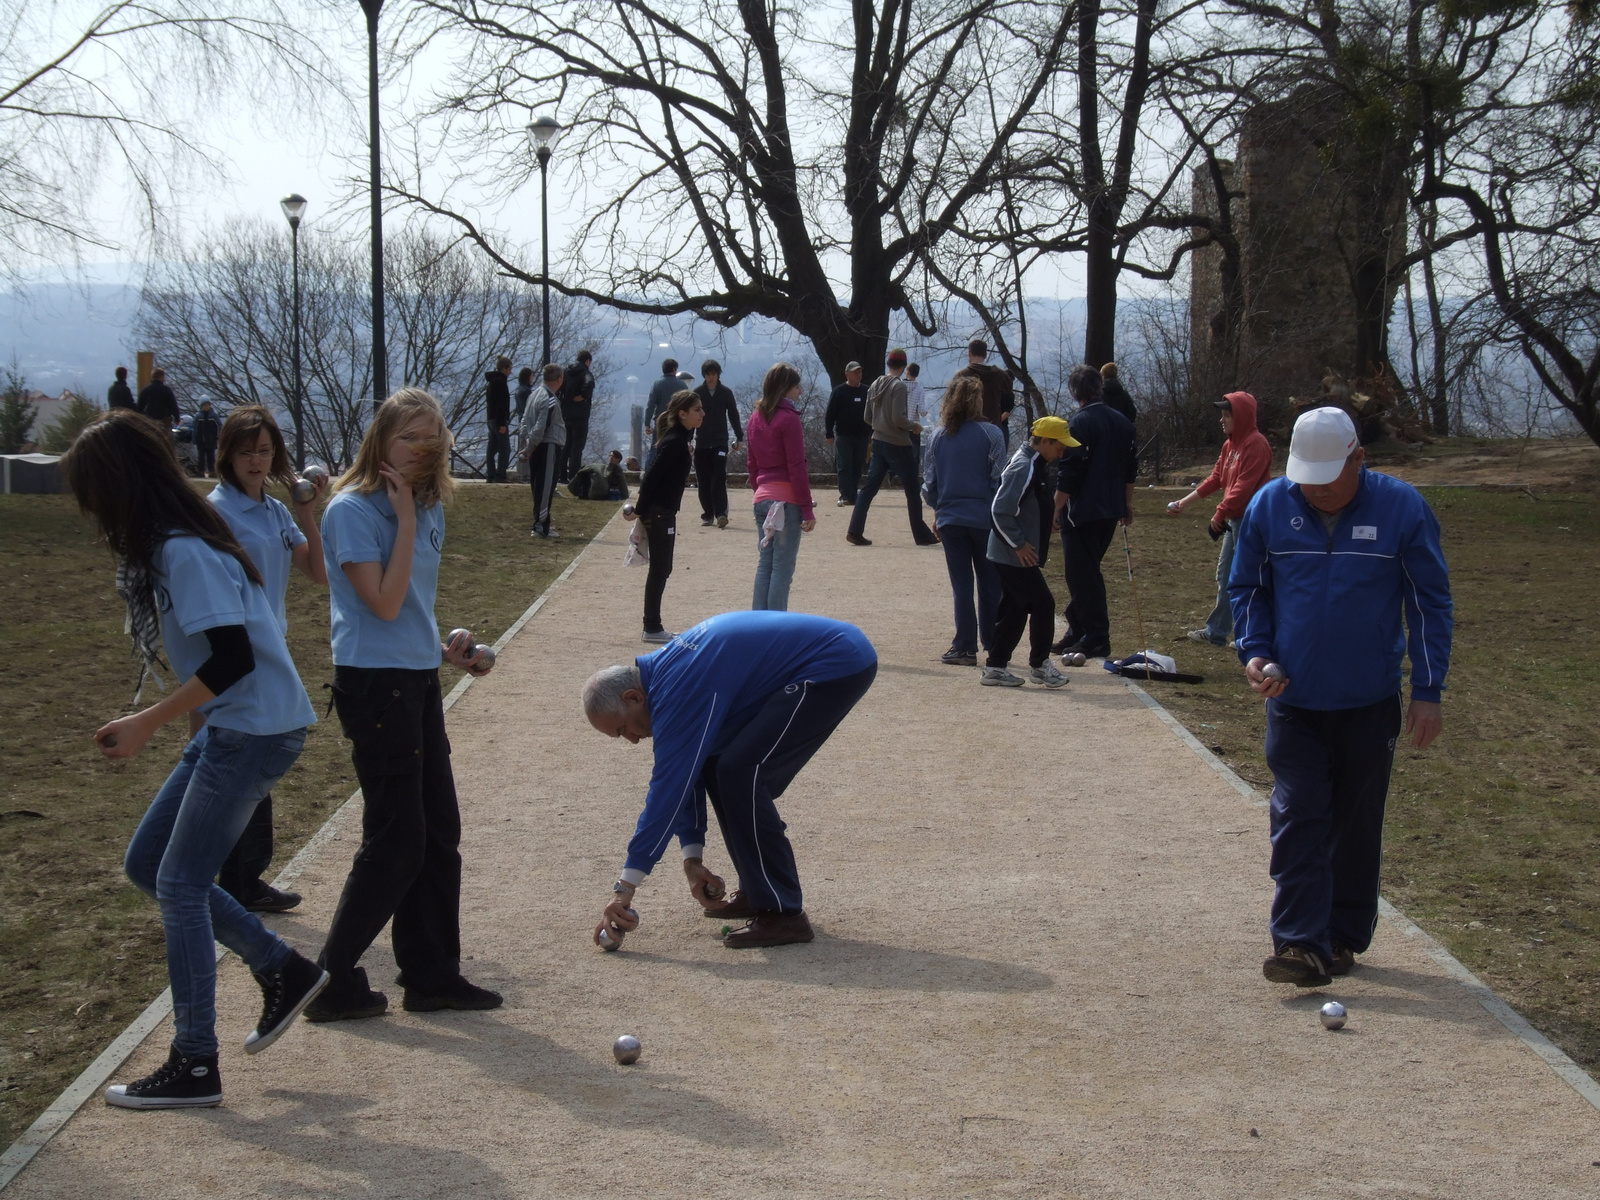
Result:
x=544 y=461
x=661 y=530
x=1330 y=773
x=1082 y=547
x=241 y=873
x=711 y=469
x=408 y=866
x=744 y=782
x=1025 y=600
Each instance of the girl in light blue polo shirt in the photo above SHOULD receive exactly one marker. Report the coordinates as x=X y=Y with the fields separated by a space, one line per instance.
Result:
x=382 y=534
x=192 y=590
x=249 y=453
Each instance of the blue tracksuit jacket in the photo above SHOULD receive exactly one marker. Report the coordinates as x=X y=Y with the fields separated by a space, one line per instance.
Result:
x=705 y=686
x=1327 y=609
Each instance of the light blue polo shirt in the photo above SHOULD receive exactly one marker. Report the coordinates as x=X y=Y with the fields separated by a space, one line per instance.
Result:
x=360 y=527
x=268 y=534
x=199 y=588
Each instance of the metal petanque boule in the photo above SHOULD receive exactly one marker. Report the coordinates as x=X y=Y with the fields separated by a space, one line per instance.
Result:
x=304 y=489
x=626 y=1049
x=1273 y=671
x=485 y=659
x=1075 y=659
x=1334 y=1015
x=459 y=634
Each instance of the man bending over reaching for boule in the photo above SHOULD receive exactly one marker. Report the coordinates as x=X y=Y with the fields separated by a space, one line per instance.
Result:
x=736 y=707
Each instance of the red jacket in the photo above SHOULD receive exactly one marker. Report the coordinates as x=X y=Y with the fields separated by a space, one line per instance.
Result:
x=776 y=453
x=1244 y=465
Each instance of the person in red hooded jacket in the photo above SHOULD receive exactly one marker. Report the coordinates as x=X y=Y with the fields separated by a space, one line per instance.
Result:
x=1244 y=465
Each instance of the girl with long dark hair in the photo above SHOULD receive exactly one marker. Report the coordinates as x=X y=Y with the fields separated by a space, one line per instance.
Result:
x=192 y=590
x=660 y=497
x=781 y=480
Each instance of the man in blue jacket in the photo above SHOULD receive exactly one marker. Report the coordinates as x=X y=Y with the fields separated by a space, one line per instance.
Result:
x=1328 y=557
x=736 y=707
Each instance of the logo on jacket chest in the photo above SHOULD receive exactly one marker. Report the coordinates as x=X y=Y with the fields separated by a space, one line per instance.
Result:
x=1297 y=523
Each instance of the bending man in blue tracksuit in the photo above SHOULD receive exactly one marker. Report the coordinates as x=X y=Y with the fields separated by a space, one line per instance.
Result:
x=736 y=707
x=1328 y=557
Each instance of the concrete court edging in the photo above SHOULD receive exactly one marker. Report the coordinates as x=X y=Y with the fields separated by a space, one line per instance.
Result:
x=1552 y=1055
x=34 y=1139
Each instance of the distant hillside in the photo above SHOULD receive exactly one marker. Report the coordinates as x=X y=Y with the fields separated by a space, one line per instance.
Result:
x=68 y=336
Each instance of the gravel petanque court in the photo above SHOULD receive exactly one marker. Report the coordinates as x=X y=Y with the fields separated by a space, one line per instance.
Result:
x=1040 y=917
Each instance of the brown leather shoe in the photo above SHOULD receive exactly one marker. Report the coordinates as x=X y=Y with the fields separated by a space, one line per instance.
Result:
x=770 y=929
x=735 y=908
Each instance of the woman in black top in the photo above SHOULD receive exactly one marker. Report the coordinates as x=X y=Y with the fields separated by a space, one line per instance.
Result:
x=660 y=497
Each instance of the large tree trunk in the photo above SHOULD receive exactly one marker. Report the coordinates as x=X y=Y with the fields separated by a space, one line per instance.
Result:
x=1100 y=293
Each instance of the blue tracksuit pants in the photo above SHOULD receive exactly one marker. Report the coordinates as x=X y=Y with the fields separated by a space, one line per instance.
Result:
x=1331 y=780
x=745 y=780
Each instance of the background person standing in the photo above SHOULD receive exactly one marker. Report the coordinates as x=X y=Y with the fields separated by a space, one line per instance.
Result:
x=998 y=397
x=119 y=394
x=543 y=436
x=779 y=477
x=207 y=429
x=157 y=401
x=577 y=403
x=661 y=393
x=891 y=451
x=917 y=410
x=1243 y=467
x=845 y=426
x=660 y=498
x=1330 y=556
x=1115 y=394
x=711 y=444
x=498 y=404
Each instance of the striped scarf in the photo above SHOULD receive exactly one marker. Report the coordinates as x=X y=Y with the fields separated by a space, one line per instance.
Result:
x=136 y=586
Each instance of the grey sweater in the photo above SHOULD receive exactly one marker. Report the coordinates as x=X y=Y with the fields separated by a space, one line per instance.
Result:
x=541 y=420
x=886 y=411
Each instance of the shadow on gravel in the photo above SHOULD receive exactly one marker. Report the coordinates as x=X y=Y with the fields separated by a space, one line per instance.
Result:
x=1405 y=993
x=589 y=1087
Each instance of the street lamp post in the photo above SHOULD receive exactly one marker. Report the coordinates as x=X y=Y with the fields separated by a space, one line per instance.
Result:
x=380 y=355
x=294 y=207
x=543 y=131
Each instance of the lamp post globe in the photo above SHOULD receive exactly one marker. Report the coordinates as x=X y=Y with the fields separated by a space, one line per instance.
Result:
x=542 y=131
x=294 y=207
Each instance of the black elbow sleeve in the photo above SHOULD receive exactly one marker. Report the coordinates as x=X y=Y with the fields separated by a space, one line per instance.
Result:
x=232 y=658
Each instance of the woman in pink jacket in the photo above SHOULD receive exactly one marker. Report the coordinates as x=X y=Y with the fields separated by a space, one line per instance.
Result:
x=782 y=484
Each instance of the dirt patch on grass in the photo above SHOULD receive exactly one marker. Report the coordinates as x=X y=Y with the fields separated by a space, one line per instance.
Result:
x=81 y=951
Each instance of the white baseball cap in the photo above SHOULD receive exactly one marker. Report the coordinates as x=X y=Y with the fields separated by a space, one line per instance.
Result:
x=1323 y=439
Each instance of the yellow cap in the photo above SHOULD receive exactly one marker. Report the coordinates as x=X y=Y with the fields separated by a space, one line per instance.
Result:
x=1057 y=429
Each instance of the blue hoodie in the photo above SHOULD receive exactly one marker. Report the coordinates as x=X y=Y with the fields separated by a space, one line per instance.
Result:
x=704 y=687
x=1327 y=607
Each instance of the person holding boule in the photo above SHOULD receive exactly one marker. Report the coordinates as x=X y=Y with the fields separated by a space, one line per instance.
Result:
x=1331 y=557
x=736 y=707
x=660 y=498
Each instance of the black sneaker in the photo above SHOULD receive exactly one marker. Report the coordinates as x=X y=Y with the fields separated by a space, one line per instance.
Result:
x=265 y=898
x=1069 y=641
x=707 y=522
x=1298 y=965
x=184 y=1081
x=1344 y=960
x=957 y=657
x=284 y=995
x=353 y=1003
x=855 y=539
x=1098 y=650
x=460 y=994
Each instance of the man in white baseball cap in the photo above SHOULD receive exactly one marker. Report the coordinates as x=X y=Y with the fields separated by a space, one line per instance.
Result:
x=1331 y=556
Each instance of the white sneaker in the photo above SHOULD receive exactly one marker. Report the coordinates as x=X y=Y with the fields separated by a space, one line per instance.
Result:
x=1047 y=675
x=659 y=638
x=999 y=677
x=841 y=502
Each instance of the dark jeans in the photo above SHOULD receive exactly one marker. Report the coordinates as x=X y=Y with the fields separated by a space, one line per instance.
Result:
x=1025 y=600
x=661 y=529
x=543 y=463
x=744 y=782
x=208 y=459
x=886 y=458
x=494 y=467
x=241 y=874
x=576 y=418
x=849 y=457
x=1330 y=775
x=1083 y=546
x=966 y=559
x=409 y=864
x=711 y=469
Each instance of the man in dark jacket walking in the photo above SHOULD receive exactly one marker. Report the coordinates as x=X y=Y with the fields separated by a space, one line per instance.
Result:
x=711 y=444
x=1114 y=394
x=119 y=394
x=998 y=398
x=845 y=425
x=157 y=401
x=206 y=431
x=577 y=402
x=1094 y=494
x=498 y=387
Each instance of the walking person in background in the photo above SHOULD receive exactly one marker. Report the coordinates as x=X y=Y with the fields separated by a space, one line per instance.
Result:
x=845 y=426
x=1113 y=393
x=711 y=445
x=253 y=452
x=891 y=451
x=661 y=393
x=1330 y=557
x=1243 y=468
x=498 y=404
x=916 y=411
x=543 y=437
x=193 y=591
x=781 y=480
x=1094 y=494
x=158 y=402
x=206 y=431
x=960 y=475
x=660 y=498
x=119 y=394
x=1018 y=544
x=998 y=397
x=383 y=537
x=577 y=402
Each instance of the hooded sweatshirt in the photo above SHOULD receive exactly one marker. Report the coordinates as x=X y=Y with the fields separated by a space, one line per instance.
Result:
x=1245 y=463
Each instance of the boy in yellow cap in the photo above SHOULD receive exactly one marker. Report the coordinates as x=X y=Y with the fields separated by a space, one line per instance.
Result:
x=1017 y=546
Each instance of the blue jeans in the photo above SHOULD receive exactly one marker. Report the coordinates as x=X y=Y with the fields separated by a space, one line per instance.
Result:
x=775 y=562
x=888 y=457
x=966 y=557
x=174 y=857
x=1219 y=625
